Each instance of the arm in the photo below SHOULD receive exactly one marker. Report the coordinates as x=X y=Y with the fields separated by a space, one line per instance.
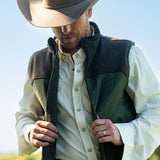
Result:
x=141 y=136
x=30 y=112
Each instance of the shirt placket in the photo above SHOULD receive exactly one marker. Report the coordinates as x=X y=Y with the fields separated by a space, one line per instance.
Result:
x=78 y=108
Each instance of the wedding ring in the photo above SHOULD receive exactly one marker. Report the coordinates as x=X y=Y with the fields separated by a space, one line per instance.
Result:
x=104 y=133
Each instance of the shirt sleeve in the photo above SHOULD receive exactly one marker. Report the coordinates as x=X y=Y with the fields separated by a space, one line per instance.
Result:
x=142 y=135
x=30 y=112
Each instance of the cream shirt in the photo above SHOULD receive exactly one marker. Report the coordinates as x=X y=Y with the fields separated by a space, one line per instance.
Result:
x=76 y=139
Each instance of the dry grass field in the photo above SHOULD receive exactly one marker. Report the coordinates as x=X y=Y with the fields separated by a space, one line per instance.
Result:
x=37 y=156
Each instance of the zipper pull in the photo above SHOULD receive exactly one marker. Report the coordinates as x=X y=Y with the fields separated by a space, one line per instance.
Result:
x=97 y=116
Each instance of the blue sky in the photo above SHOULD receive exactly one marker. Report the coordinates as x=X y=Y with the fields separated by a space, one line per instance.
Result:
x=137 y=20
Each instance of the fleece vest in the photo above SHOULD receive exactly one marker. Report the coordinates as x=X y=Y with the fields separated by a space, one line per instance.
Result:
x=106 y=74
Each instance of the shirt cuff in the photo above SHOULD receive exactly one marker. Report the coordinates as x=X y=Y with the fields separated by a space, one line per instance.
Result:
x=24 y=145
x=26 y=131
x=127 y=134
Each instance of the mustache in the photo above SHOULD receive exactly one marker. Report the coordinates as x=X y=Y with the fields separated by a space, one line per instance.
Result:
x=71 y=34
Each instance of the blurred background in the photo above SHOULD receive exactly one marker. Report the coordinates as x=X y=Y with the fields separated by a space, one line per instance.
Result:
x=136 y=20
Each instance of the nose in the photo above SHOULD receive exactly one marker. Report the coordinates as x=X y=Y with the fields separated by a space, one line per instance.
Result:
x=66 y=29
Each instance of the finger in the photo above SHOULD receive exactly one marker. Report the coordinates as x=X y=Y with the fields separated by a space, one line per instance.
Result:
x=108 y=138
x=97 y=123
x=106 y=126
x=113 y=137
x=45 y=131
x=99 y=128
x=48 y=125
x=39 y=143
x=43 y=137
x=101 y=134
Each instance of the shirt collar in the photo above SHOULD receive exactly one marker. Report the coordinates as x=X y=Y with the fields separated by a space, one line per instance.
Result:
x=80 y=53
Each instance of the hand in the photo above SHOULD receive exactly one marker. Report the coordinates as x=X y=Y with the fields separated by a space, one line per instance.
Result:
x=106 y=131
x=42 y=133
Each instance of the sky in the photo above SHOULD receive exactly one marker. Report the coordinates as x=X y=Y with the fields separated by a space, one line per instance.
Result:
x=136 y=20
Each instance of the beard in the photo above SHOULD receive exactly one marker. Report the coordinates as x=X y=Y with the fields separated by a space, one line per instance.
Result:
x=72 y=43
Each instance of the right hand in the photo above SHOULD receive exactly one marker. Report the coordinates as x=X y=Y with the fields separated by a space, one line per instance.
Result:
x=42 y=133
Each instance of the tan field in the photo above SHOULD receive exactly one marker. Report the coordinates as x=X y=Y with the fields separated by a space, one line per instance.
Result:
x=37 y=156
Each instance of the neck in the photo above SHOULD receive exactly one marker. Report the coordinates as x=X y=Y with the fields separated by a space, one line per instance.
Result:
x=71 y=51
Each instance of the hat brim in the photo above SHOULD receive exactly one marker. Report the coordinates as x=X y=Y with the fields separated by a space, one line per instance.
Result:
x=37 y=15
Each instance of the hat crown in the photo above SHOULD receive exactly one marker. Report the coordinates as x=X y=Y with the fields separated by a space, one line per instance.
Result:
x=56 y=4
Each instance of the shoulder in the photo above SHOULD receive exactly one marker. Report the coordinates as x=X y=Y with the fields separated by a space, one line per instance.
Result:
x=39 y=55
x=40 y=64
x=122 y=43
x=116 y=53
x=137 y=58
x=118 y=48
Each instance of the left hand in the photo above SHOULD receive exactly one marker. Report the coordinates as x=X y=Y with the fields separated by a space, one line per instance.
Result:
x=106 y=131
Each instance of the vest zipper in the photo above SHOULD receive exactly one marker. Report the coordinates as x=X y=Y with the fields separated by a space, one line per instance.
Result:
x=92 y=107
x=54 y=69
x=96 y=115
x=49 y=151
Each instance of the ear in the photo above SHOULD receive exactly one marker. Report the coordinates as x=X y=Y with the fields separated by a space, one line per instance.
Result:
x=89 y=13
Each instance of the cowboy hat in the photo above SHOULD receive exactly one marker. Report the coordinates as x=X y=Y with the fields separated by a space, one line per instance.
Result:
x=53 y=13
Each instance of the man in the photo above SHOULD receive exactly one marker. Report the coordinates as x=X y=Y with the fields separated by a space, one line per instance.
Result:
x=87 y=96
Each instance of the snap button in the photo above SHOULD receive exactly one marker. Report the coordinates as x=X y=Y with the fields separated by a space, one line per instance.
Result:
x=83 y=129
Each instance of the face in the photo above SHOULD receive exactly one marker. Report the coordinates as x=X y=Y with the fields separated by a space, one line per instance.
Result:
x=71 y=35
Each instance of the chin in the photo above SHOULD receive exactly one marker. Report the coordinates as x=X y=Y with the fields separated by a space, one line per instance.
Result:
x=71 y=46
